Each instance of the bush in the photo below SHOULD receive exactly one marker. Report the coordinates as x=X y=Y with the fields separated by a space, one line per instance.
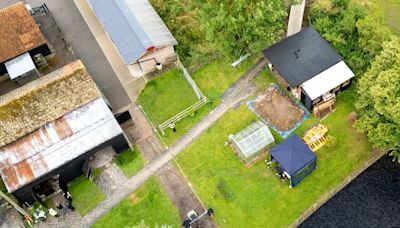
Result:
x=330 y=141
x=182 y=19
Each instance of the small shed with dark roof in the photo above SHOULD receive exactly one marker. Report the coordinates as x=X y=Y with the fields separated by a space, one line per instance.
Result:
x=309 y=64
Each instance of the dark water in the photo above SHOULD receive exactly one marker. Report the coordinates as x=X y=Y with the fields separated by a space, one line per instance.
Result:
x=371 y=200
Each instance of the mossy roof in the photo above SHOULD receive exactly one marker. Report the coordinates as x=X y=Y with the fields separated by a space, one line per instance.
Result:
x=46 y=99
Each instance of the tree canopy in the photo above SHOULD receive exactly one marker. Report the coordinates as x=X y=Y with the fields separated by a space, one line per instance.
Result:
x=379 y=99
x=182 y=18
x=242 y=26
x=355 y=30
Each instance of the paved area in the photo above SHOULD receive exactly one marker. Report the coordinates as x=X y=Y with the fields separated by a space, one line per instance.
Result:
x=110 y=179
x=10 y=219
x=102 y=157
x=296 y=18
x=170 y=177
x=63 y=55
x=85 y=47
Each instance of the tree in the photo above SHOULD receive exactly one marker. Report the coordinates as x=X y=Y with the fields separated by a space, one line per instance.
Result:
x=182 y=19
x=242 y=26
x=352 y=29
x=379 y=99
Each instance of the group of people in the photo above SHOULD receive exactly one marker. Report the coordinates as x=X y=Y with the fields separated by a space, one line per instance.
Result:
x=40 y=213
x=64 y=188
x=69 y=205
x=279 y=171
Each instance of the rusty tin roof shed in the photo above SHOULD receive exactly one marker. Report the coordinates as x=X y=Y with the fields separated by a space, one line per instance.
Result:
x=56 y=118
x=57 y=143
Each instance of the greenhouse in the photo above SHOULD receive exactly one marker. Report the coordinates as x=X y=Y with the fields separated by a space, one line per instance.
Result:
x=252 y=140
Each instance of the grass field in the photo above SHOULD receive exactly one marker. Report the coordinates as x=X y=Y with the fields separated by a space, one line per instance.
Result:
x=213 y=80
x=257 y=197
x=166 y=96
x=86 y=195
x=130 y=162
x=391 y=9
x=148 y=203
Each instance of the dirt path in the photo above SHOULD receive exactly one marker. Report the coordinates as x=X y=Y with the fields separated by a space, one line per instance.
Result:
x=169 y=176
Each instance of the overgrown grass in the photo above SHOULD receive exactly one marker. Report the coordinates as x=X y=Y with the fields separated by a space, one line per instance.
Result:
x=96 y=172
x=166 y=96
x=2 y=186
x=86 y=195
x=391 y=9
x=213 y=80
x=130 y=162
x=148 y=203
x=258 y=197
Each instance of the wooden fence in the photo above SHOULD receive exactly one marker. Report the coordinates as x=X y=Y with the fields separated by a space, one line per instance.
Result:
x=328 y=195
x=189 y=79
x=170 y=123
x=188 y=111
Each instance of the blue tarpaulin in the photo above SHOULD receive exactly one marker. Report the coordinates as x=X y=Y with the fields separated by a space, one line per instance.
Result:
x=284 y=134
x=295 y=157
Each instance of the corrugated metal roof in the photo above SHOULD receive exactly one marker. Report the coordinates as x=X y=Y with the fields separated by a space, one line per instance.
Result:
x=56 y=143
x=41 y=101
x=133 y=25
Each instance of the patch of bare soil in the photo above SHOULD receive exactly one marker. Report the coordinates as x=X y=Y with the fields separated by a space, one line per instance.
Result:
x=134 y=198
x=278 y=109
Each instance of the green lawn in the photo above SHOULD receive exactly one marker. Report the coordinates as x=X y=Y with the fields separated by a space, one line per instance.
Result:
x=391 y=9
x=86 y=195
x=213 y=80
x=166 y=96
x=258 y=198
x=148 y=203
x=130 y=162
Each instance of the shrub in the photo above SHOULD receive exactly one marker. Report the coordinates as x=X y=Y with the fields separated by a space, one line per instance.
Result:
x=330 y=141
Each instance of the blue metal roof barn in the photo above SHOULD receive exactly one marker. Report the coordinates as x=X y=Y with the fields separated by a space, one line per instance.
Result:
x=133 y=25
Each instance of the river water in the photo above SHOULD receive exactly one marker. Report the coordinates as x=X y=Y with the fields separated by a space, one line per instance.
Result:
x=371 y=200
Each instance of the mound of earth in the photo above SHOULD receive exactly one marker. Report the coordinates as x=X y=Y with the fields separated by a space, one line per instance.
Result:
x=278 y=109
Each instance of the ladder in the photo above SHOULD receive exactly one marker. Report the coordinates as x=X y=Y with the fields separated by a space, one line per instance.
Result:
x=16 y=206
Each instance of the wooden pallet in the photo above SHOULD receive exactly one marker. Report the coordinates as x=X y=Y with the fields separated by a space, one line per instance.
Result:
x=315 y=136
x=323 y=109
